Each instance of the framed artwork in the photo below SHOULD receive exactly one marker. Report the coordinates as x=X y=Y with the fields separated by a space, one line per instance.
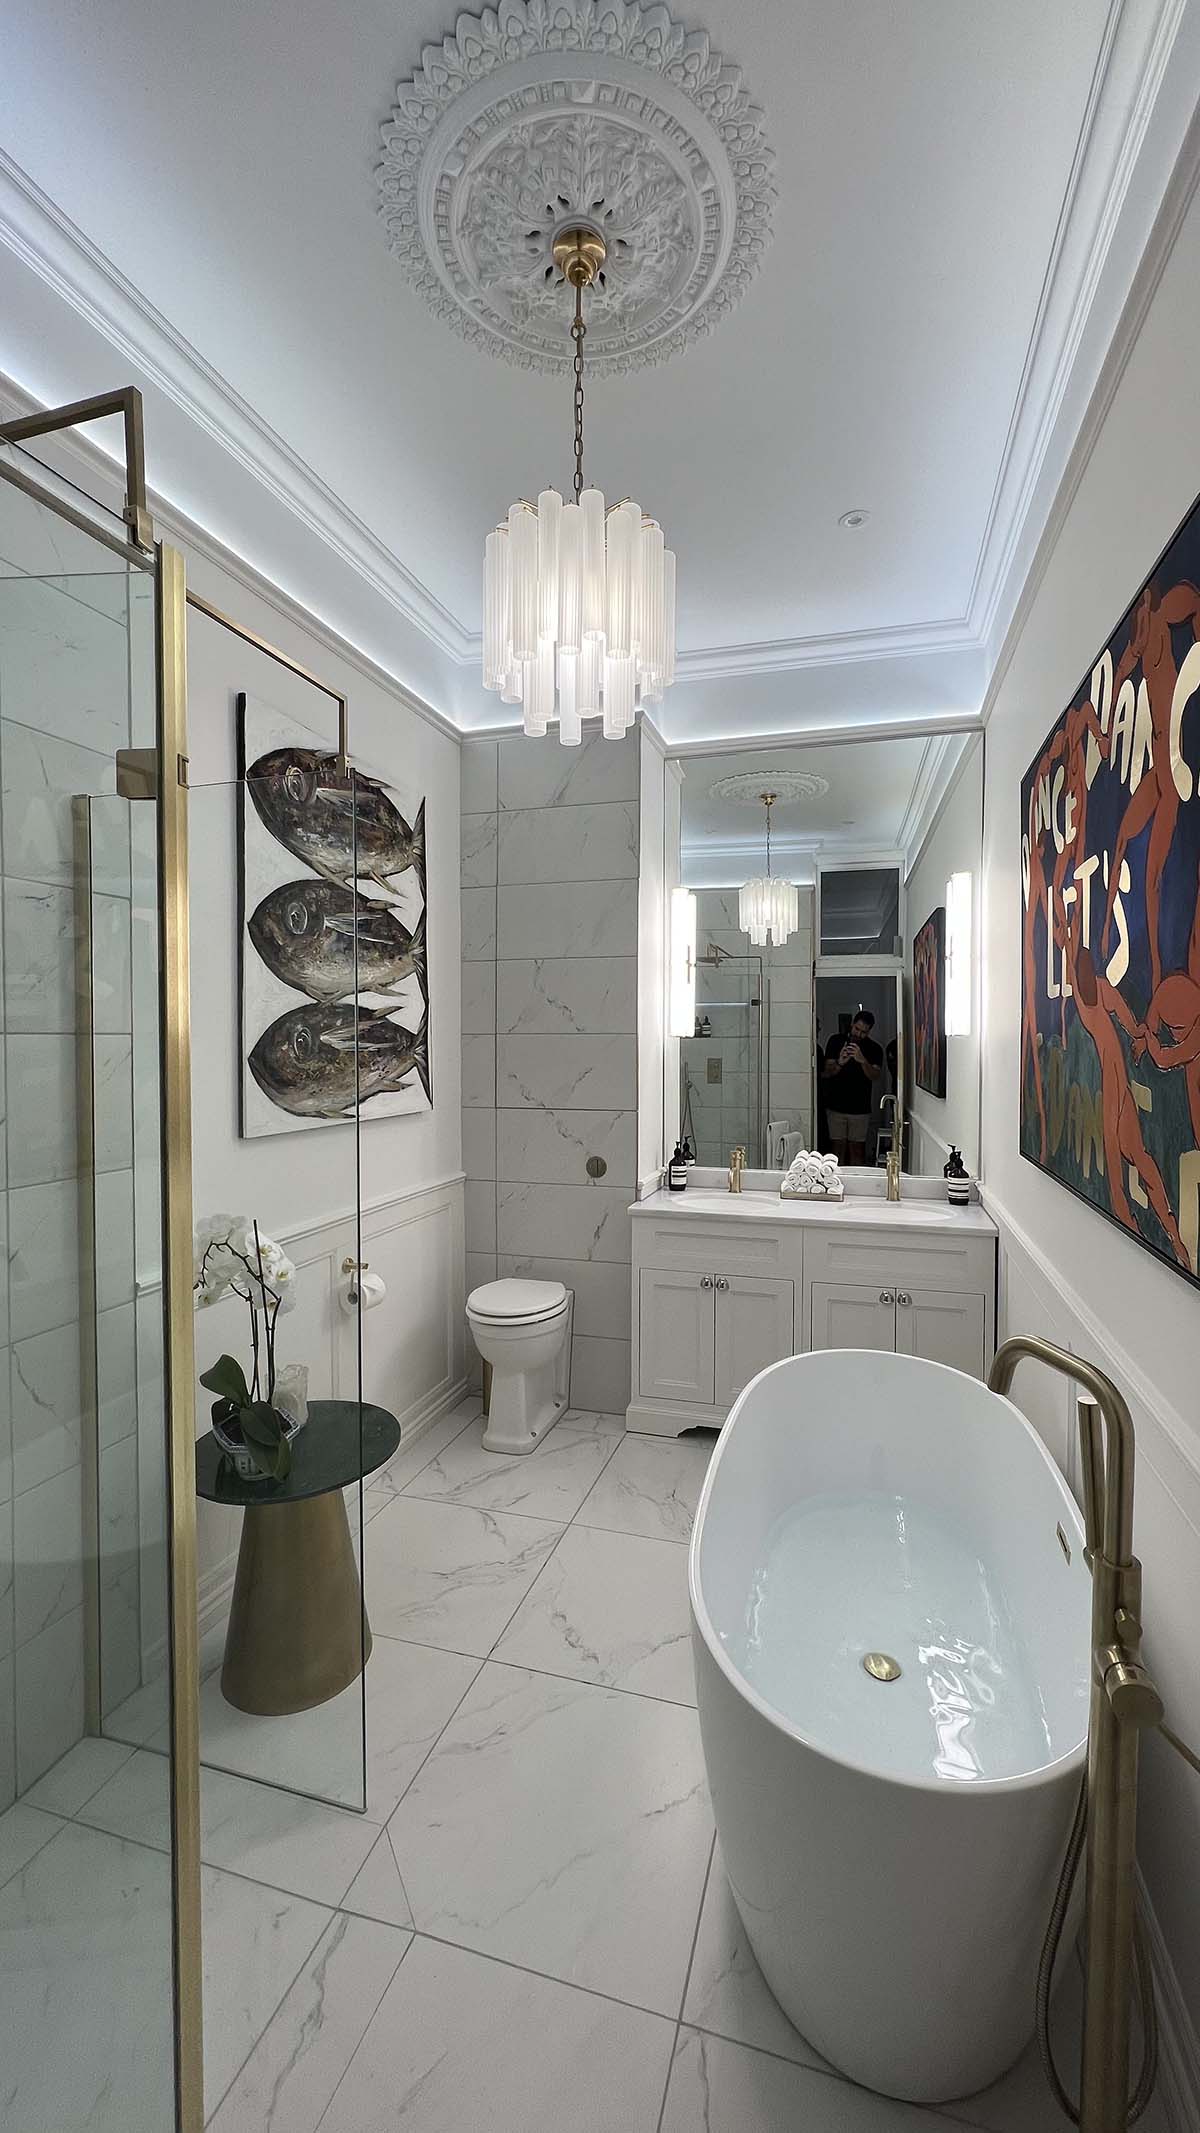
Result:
x=1110 y=974
x=929 y=1003
x=333 y=978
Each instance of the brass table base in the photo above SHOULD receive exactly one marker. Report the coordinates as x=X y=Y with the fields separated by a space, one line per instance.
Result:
x=298 y=1632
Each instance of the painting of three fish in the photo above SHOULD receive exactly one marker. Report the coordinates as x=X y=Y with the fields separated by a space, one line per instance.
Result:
x=347 y=935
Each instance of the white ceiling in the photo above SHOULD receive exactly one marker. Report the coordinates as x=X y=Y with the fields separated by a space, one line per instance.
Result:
x=198 y=184
x=881 y=798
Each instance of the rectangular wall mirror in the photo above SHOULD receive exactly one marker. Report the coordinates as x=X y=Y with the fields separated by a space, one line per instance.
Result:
x=866 y=1013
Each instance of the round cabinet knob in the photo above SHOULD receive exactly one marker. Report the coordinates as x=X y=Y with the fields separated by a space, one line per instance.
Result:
x=722 y=1281
x=706 y=1281
x=902 y=1297
x=887 y=1296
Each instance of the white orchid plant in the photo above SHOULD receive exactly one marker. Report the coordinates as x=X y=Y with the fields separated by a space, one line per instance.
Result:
x=232 y=1258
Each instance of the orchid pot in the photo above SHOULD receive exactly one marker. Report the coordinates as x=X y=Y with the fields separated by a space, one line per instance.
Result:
x=255 y=1418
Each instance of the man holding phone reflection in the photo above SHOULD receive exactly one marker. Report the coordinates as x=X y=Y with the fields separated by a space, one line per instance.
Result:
x=852 y=1063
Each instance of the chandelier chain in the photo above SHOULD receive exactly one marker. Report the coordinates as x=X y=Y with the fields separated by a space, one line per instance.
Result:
x=578 y=329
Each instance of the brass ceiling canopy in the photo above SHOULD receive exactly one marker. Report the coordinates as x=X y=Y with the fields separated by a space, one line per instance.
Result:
x=579 y=254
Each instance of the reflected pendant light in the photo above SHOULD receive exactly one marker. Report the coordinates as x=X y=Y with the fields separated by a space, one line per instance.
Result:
x=768 y=910
x=578 y=602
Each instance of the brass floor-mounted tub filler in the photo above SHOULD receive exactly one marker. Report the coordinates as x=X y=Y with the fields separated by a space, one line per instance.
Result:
x=1124 y=1700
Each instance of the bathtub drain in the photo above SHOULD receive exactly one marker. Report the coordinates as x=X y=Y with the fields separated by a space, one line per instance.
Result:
x=881 y=1666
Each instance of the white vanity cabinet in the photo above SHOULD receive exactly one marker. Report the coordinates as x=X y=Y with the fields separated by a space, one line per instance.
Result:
x=721 y=1292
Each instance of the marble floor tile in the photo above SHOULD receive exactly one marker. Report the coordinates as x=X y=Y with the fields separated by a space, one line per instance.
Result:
x=450 y=1574
x=294 y=2069
x=377 y=1890
x=550 y=1482
x=1021 y=2101
x=142 y=1720
x=726 y=1992
x=606 y=1425
x=460 y=2044
x=413 y=1457
x=255 y=1941
x=261 y=1831
x=23 y=1832
x=719 y=2087
x=650 y=1486
x=411 y=1692
x=612 y=1608
x=78 y=1776
x=565 y=1827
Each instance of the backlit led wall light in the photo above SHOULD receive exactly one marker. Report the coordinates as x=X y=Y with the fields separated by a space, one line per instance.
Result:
x=958 y=956
x=682 y=1001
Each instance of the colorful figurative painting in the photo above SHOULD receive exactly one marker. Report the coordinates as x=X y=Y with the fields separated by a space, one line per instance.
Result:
x=334 y=981
x=1110 y=990
x=929 y=1003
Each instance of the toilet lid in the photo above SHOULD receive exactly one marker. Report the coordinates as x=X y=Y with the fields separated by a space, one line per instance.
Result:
x=513 y=1300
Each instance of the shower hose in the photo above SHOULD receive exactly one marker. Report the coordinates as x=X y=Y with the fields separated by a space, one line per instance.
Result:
x=1143 y=1977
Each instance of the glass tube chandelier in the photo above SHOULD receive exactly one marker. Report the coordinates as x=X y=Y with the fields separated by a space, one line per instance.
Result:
x=767 y=907
x=578 y=602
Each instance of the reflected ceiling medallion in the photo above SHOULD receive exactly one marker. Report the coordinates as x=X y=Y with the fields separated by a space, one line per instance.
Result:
x=578 y=603
x=768 y=910
x=541 y=114
x=746 y=788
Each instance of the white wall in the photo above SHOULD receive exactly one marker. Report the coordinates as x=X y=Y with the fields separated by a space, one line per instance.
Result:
x=953 y=845
x=1067 y=1271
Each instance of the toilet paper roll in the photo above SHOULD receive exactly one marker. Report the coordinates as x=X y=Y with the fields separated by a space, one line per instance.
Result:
x=361 y=1292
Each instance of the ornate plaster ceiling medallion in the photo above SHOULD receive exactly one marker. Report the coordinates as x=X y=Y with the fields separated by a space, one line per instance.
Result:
x=543 y=113
x=747 y=788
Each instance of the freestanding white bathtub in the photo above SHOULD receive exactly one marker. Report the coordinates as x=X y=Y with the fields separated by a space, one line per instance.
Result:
x=892 y=1845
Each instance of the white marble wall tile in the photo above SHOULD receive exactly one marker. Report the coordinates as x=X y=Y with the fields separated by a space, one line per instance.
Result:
x=43 y=1141
x=542 y=773
x=291 y=2075
x=120 y=1573
x=571 y=918
x=567 y=1221
x=790 y=982
x=791 y=1096
x=603 y=1304
x=567 y=995
x=602 y=1802
x=478 y=760
x=116 y=1372
x=478 y=851
x=576 y=844
x=479 y=1145
x=791 y=1018
x=39 y=957
x=480 y=1214
x=112 y=953
x=479 y=1073
x=481 y=1267
x=115 y=1261
x=612 y=1608
x=790 y=1055
x=43 y=1257
x=65 y=665
x=7 y=1622
x=47 y=1549
x=49 y=1697
x=461 y=2044
x=112 y=1103
x=600 y=1374
x=46 y=1407
x=8 y=1734
x=553 y=1147
x=567 y=1073
x=6 y=1459
x=479 y=999
x=450 y=1574
x=40 y=775
x=478 y=925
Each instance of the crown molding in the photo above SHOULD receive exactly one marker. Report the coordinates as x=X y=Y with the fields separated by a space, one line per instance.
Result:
x=54 y=249
x=1131 y=67
x=932 y=776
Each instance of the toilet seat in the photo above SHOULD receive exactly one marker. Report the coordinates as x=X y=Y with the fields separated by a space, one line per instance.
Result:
x=517 y=1303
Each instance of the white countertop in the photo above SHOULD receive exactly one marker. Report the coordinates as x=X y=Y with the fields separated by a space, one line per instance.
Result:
x=856 y=1211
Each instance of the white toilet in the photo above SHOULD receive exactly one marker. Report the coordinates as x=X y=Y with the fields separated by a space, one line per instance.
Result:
x=522 y=1330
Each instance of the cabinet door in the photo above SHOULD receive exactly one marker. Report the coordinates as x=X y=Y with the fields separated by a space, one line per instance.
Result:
x=675 y=1336
x=754 y=1328
x=943 y=1327
x=845 y=1315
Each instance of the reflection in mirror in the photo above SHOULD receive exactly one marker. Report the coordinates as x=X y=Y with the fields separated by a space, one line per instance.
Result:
x=825 y=1037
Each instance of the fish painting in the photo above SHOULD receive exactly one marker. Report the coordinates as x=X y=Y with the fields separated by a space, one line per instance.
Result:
x=326 y=1061
x=323 y=939
x=343 y=829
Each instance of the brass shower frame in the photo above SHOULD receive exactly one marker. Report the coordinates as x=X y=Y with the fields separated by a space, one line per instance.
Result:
x=139 y=550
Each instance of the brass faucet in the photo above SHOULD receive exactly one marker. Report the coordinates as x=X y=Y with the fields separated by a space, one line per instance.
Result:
x=896 y=1149
x=1124 y=1700
x=737 y=1163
